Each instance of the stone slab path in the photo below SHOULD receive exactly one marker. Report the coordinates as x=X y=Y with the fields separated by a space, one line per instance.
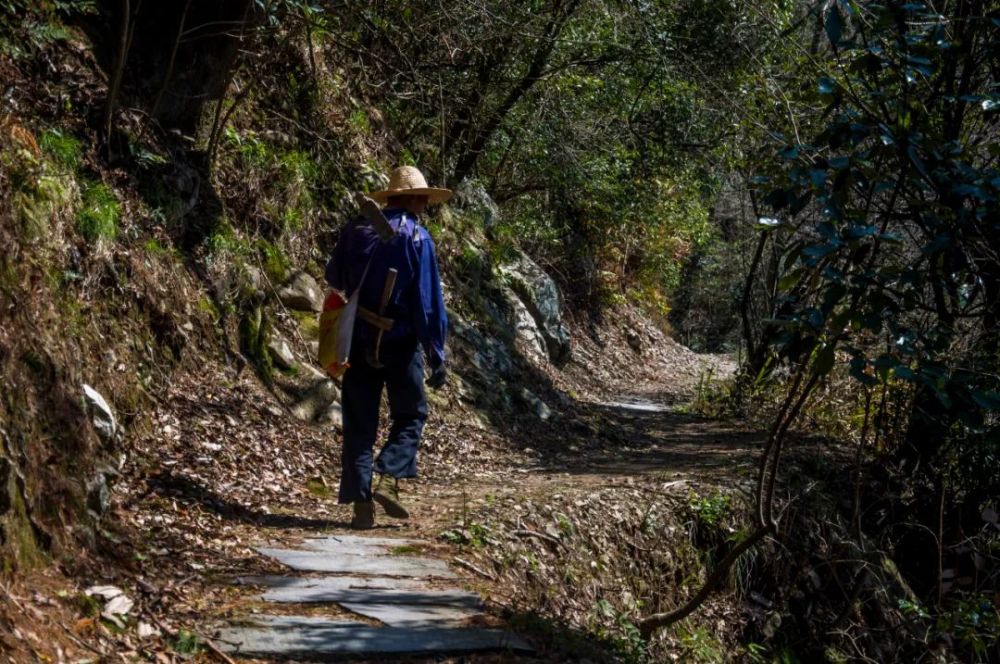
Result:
x=377 y=578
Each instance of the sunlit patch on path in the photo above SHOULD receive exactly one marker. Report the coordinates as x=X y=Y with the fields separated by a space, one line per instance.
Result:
x=410 y=600
x=638 y=405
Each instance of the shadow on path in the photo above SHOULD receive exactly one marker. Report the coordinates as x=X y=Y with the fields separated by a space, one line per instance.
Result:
x=637 y=434
x=189 y=491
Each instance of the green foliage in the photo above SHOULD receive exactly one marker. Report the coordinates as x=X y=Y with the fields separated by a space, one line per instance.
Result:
x=166 y=206
x=700 y=645
x=99 y=213
x=153 y=247
x=87 y=605
x=478 y=535
x=884 y=212
x=756 y=653
x=359 y=121
x=254 y=331
x=565 y=525
x=452 y=537
x=404 y=550
x=34 y=37
x=253 y=152
x=598 y=128
x=625 y=638
x=317 y=487
x=298 y=167
x=187 y=642
x=308 y=324
x=711 y=510
x=975 y=623
x=27 y=28
x=224 y=242
x=145 y=157
x=71 y=7
x=276 y=264
x=63 y=149
x=879 y=209
x=474 y=534
x=38 y=200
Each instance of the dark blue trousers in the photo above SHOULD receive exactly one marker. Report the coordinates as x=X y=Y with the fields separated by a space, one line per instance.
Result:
x=402 y=376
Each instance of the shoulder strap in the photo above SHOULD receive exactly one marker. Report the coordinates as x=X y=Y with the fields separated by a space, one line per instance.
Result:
x=367 y=267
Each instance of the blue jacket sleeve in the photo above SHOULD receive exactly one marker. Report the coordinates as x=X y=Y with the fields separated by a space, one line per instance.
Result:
x=429 y=312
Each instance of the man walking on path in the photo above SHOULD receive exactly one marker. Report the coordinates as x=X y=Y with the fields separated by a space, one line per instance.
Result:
x=400 y=310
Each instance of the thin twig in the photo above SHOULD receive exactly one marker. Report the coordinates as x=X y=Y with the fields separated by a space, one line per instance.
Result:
x=542 y=536
x=212 y=648
x=472 y=568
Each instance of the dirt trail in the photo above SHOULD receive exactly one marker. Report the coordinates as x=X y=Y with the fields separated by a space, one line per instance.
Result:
x=633 y=439
x=222 y=468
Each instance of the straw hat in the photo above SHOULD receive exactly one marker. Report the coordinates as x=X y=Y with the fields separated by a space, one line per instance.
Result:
x=408 y=181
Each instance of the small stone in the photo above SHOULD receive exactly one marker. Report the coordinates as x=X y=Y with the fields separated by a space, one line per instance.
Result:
x=316 y=401
x=119 y=606
x=145 y=630
x=333 y=415
x=281 y=353
x=98 y=495
x=101 y=414
x=538 y=407
x=472 y=197
x=634 y=340
x=104 y=592
x=301 y=292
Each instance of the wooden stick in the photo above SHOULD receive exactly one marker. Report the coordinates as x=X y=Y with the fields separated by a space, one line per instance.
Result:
x=472 y=568
x=218 y=653
x=524 y=532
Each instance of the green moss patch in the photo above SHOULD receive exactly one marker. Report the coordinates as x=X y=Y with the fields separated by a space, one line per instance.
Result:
x=62 y=149
x=100 y=213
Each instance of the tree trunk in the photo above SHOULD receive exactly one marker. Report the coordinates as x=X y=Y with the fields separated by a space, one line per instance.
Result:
x=116 y=75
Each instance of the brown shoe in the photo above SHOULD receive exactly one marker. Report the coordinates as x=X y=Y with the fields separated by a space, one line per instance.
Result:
x=387 y=495
x=364 y=515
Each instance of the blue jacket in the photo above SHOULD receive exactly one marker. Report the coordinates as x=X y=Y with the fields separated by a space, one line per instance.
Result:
x=416 y=304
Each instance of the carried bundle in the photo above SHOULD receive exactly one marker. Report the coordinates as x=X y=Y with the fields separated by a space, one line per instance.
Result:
x=336 y=322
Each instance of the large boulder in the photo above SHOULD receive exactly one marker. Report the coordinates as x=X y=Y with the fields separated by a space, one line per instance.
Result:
x=302 y=293
x=471 y=198
x=526 y=328
x=488 y=354
x=540 y=295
